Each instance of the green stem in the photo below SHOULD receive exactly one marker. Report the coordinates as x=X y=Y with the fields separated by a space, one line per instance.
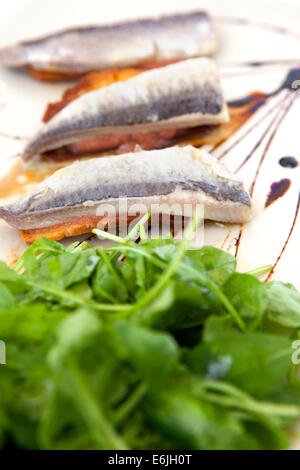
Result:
x=221 y=296
x=76 y=246
x=136 y=228
x=274 y=410
x=91 y=412
x=239 y=399
x=133 y=231
x=153 y=292
x=19 y=265
x=77 y=300
x=126 y=408
x=224 y=387
x=110 y=266
x=142 y=233
x=108 y=236
x=107 y=296
x=259 y=271
x=139 y=251
x=227 y=304
x=81 y=247
x=167 y=274
x=171 y=269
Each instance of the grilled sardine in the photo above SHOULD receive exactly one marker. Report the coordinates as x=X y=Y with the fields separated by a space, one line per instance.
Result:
x=72 y=200
x=148 y=42
x=182 y=95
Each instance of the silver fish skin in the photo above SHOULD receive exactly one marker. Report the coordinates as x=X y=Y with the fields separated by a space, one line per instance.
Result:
x=173 y=176
x=80 y=50
x=181 y=95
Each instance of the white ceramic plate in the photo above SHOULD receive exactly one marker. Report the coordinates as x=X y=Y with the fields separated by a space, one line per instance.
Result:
x=269 y=32
x=260 y=31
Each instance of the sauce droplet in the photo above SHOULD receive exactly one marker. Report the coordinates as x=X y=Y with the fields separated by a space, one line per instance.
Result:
x=288 y=162
x=277 y=190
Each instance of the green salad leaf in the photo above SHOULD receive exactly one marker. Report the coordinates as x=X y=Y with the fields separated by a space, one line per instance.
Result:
x=149 y=345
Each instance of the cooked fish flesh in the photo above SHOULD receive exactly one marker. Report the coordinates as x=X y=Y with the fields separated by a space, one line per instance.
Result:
x=89 y=82
x=80 y=50
x=72 y=200
x=186 y=94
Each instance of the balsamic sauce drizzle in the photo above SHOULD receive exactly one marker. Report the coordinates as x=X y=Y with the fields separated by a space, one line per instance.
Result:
x=13 y=137
x=238 y=241
x=257 y=24
x=225 y=239
x=288 y=162
x=248 y=131
x=284 y=106
x=277 y=190
x=268 y=144
x=292 y=76
x=279 y=106
x=286 y=242
x=285 y=161
x=267 y=63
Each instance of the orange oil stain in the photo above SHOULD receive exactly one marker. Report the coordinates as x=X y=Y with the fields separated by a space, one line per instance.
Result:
x=19 y=177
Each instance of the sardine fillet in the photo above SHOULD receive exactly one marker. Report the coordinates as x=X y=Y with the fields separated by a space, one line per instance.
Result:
x=80 y=50
x=186 y=94
x=160 y=180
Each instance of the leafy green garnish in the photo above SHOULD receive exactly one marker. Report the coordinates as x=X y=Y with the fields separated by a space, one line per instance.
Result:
x=155 y=345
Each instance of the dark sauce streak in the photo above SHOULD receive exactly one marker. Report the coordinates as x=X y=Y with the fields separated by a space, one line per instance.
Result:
x=13 y=137
x=277 y=122
x=257 y=99
x=257 y=105
x=257 y=24
x=248 y=68
x=277 y=190
x=238 y=241
x=248 y=131
x=285 y=161
x=286 y=242
x=225 y=240
x=265 y=133
x=288 y=162
x=292 y=76
x=240 y=101
x=263 y=63
x=268 y=144
x=88 y=239
x=287 y=84
x=256 y=64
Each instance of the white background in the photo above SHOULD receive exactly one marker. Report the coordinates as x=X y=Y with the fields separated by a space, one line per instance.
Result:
x=7 y=7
